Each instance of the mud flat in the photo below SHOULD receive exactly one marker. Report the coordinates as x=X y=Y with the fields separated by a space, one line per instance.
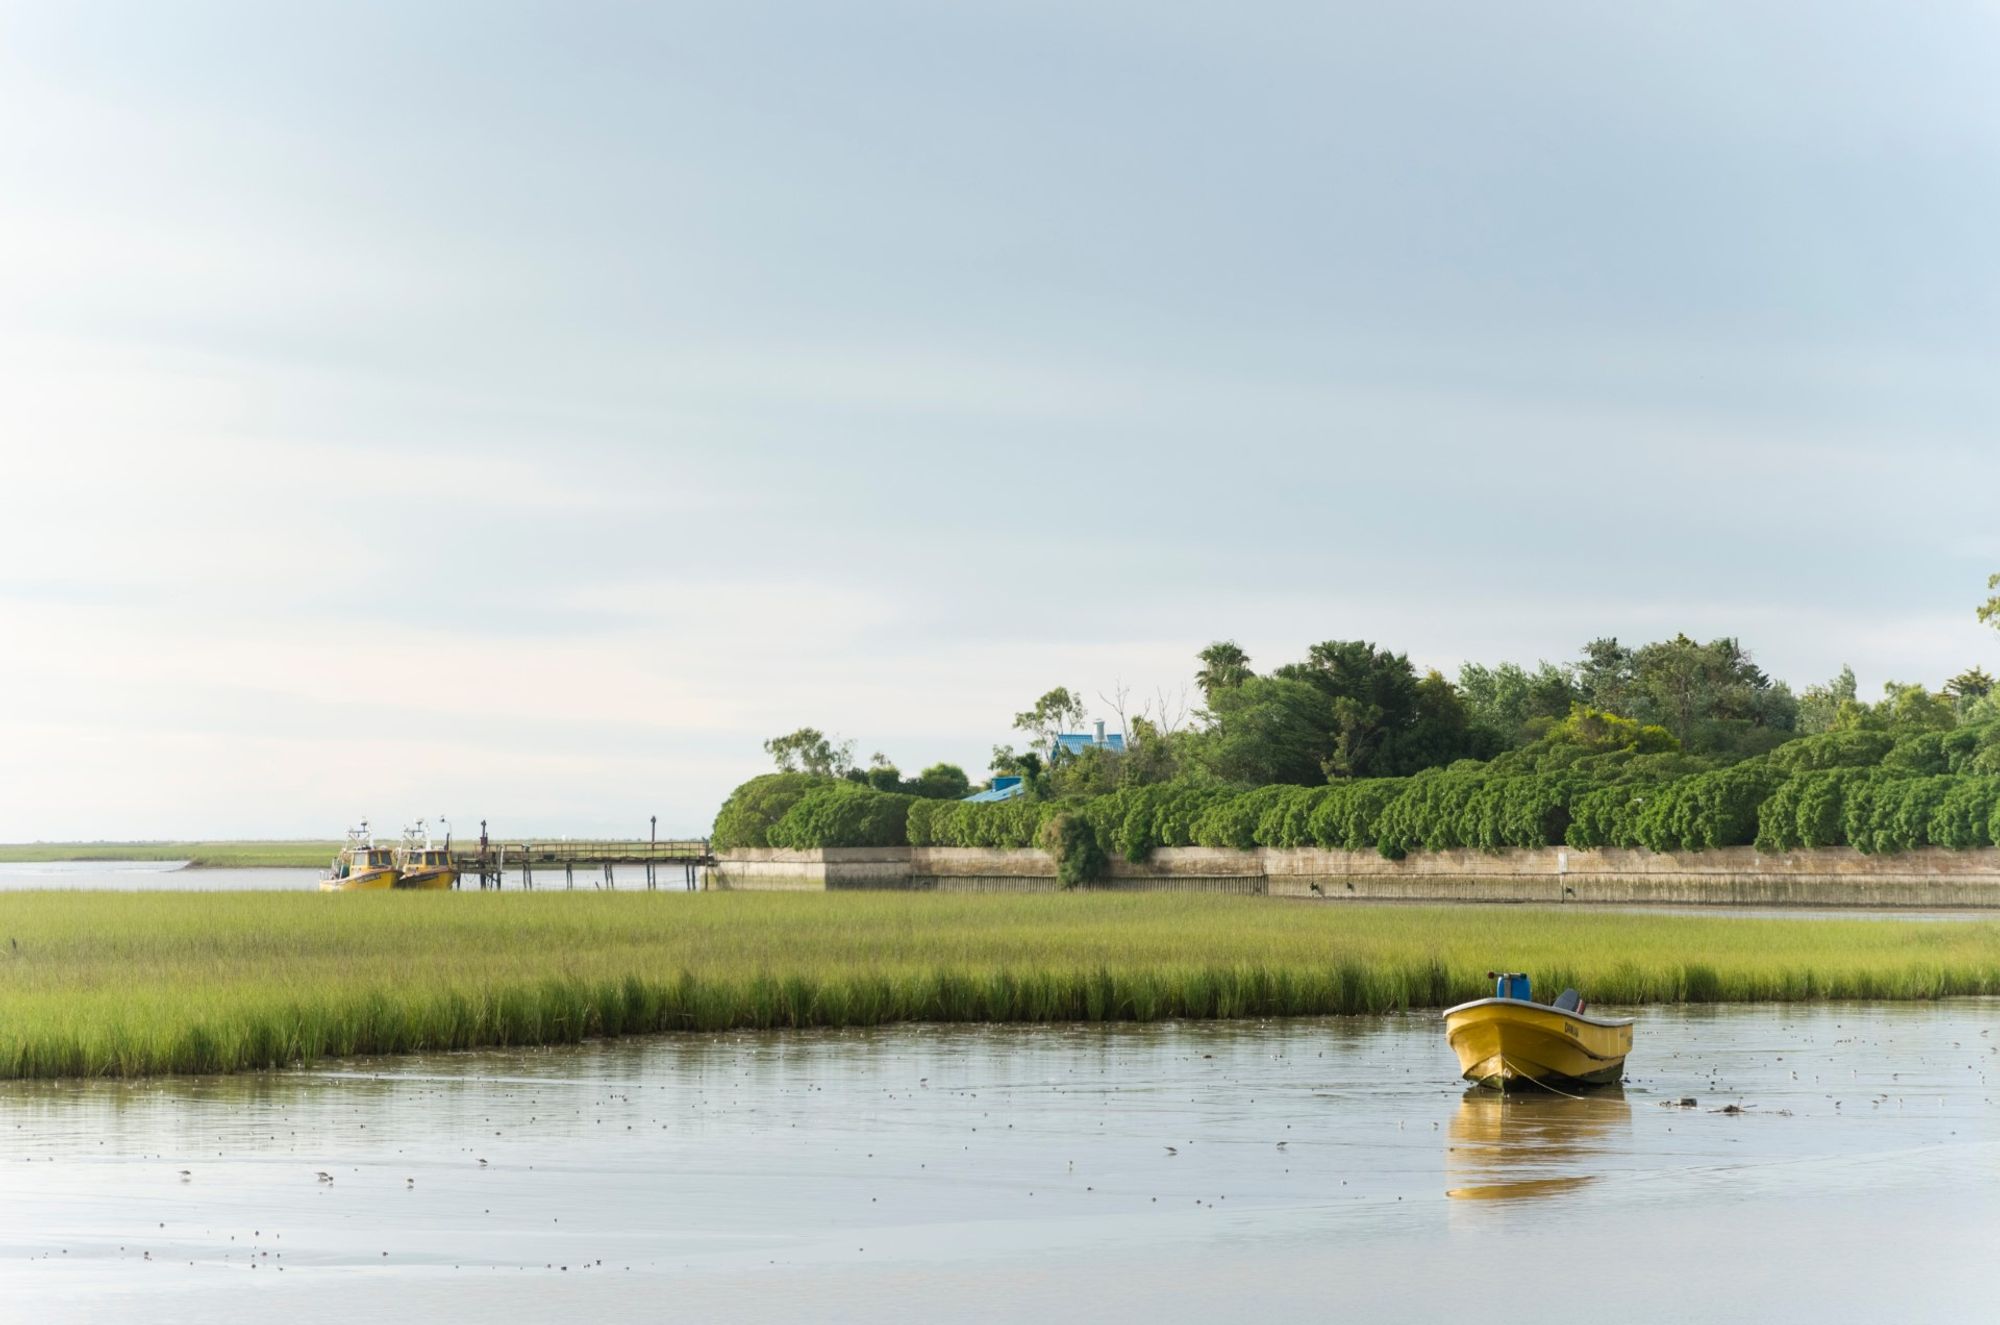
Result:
x=1174 y=1172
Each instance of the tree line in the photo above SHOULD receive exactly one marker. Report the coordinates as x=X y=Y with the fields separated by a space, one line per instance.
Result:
x=1673 y=745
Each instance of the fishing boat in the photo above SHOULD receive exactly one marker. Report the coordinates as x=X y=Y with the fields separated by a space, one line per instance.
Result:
x=1510 y=1040
x=422 y=863
x=361 y=866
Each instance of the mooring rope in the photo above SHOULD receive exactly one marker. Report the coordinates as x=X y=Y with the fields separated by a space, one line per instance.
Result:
x=1543 y=1084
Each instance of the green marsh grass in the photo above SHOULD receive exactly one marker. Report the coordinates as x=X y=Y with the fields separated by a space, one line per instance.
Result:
x=130 y=984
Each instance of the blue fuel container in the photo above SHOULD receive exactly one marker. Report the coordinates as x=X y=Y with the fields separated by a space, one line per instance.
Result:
x=1511 y=984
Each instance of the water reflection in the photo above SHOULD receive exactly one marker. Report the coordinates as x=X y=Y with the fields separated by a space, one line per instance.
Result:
x=1502 y=1147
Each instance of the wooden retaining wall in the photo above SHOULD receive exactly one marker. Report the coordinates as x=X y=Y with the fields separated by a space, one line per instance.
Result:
x=1731 y=876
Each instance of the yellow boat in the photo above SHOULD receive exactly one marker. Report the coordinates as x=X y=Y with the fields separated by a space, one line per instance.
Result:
x=1510 y=1040
x=361 y=866
x=421 y=863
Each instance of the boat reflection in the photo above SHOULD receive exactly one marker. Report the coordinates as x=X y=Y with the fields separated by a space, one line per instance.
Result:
x=1526 y=1147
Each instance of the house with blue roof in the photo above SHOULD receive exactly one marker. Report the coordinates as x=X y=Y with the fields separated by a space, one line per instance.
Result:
x=1076 y=743
x=1007 y=788
x=1071 y=744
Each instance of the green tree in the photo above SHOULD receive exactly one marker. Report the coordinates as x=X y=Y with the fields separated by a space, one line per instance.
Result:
x=1224 y=666
x=1440 y=731
x=1511 y=702
x=1706 y=694
x=1989 y=611
x=1821 y=706
x=1056 y=712
x=1027 y=765
x=1913 y=708
x=1972 y=683
x=1372 y=695
x=1094 y=771
x=753 y=809
x=809 y=750
x=1268 y=729
x=940 y=782
x=1599 y=732
x=1152 y=754
x=1607 y=676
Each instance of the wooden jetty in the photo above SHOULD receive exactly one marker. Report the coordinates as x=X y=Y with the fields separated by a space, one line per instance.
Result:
x=490 y=862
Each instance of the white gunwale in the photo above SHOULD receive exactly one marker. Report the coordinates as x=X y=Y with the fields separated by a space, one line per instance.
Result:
x=1539 y=1007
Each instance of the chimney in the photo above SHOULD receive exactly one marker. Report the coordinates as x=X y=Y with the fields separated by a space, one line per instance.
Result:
x=1100 y=731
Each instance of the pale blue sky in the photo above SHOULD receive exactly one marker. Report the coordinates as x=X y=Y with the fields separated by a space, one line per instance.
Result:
x=522 y=411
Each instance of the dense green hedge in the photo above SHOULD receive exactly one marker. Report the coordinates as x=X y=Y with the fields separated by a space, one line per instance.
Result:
x=797 y=811
x=1863 y=789
x=844 y=814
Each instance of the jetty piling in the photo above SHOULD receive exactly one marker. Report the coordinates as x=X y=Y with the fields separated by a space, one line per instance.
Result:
x=490 y=863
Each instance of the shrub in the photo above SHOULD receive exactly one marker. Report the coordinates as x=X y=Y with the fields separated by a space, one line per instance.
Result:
x=1138 y=819
x=746 y=818
x=1465 y=807
x=1843 y=749
x=1079 y=857
x=975 y=824
x=1349 y=814
x=1286 y=820
x=843 y=814
x=1894 y=814
x=1808 y=809
x=1231 y=821
x=1715 y=809
x=1965 y=816
x=1608 y=816
x=918 y=824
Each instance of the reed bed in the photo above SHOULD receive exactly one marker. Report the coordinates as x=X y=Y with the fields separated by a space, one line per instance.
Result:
x=123 y=984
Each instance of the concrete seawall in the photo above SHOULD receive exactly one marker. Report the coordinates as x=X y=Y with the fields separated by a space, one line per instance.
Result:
x=1730 y=876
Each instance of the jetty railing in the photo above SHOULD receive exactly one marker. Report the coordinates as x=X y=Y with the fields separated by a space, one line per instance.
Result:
x=492 y=861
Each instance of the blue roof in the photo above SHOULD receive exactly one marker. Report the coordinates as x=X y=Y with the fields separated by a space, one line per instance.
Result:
x=1077 y=742
x=1005 y=788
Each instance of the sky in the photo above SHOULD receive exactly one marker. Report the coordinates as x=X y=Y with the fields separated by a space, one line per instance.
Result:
x=521 y=411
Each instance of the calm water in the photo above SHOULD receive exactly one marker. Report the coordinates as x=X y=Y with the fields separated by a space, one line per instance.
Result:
x=1191 y=1172
x=175 y=876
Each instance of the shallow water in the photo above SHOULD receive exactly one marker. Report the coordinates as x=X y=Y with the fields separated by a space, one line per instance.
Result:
x=147 y=876
x=178 y=876
x=1185 y=1172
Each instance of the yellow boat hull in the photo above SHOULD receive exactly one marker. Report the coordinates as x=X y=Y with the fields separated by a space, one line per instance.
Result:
x=362 y=881
x=1506 y=1043
x=429 y=879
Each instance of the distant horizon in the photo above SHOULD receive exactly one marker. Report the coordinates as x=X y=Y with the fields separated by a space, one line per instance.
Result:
x=414 y=410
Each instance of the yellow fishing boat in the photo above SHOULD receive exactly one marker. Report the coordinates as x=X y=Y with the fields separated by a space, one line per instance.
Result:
x=361 y=866
x=421 y=863
x=1509 y=1039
